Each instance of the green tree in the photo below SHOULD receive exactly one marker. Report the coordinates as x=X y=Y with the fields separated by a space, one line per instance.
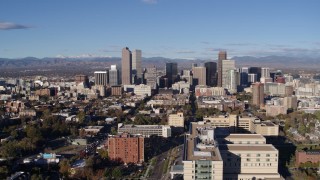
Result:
x=117 y=172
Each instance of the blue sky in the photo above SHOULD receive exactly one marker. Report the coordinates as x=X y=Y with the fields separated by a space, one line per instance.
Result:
x=168 y=28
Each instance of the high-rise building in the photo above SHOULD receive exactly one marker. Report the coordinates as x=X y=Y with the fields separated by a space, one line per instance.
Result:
x=232 y=80
x=257 y=71
x=171 y=72
x=211 y=72
x=82 y=79
x=199 y=76
x=113 y=76
x=150 y=77
x=136 y=64
x=244 y=71
x=227 y=65
x=265 y=72
x=222 y=56
x=126 y=66
x=126 y=148
x=258 y=94
x=252 y=78
x=101 y=77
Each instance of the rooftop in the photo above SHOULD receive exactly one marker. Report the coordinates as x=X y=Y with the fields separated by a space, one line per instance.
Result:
x=200 y=144
x=245 y=147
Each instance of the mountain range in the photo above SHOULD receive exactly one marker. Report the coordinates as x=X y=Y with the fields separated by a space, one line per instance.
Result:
x=278 y=62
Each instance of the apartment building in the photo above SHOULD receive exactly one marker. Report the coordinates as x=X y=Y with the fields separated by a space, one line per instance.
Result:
x=126 y=148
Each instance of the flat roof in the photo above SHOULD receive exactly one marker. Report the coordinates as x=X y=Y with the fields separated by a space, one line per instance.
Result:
x=193 y=153
x=241 y=147
x=240 y=136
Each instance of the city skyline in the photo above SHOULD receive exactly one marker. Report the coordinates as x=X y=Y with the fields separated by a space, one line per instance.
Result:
x=188 y=30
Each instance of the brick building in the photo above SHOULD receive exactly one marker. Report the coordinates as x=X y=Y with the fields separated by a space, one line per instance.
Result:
x=307 y=156
x=126 y=148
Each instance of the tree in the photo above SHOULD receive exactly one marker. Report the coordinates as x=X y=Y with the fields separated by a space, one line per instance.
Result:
x=103 y=153
x=3 y=172
x=113 y=131
x=117 y=172
x=81 y=116
x=64 y=168
x=34 y=134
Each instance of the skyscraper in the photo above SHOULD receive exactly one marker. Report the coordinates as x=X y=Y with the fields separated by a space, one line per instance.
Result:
x=126 y=68
x=171 y=72
x=232 y=80
x=113 y=76
x=244 y=71
x=136 y=64
x=199 y=75
x=82 y=79
x=265 y=72
x=151 y=77
x=227 y=65
x=258 y=94
x=101 y=77
x=211 y=71
x=222 y=56
x=257 y=71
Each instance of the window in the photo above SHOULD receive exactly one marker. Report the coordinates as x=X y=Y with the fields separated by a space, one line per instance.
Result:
x=248 y=159
x=258 y=155
x=268 y=155
x=268 y=160
x=258 y=160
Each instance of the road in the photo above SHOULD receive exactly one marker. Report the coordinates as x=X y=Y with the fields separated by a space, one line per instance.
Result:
x=158 y=170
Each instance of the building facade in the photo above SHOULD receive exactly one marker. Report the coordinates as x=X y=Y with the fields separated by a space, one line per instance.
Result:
x=126 y=148
x=101 y=78
x=211 y=73
x=176 y=120
x=114 y=76
x=258 y=94
x=171 y=73
x=221 y=56
x=126 y=66
x=136 y=63
x=145 y=130
x=199 y=76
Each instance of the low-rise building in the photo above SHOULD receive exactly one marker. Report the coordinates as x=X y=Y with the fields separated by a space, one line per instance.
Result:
x=312 y=156
x=239 y=124
x=176 y=120
x=236 y=156
x=142 y=90
x=145 y=130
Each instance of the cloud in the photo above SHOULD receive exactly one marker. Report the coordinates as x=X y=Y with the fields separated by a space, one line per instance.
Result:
x=11 y=26
x=82 y=56
x=150 y=1
x=185 y=52
x=240 y=44
x=215 y=49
